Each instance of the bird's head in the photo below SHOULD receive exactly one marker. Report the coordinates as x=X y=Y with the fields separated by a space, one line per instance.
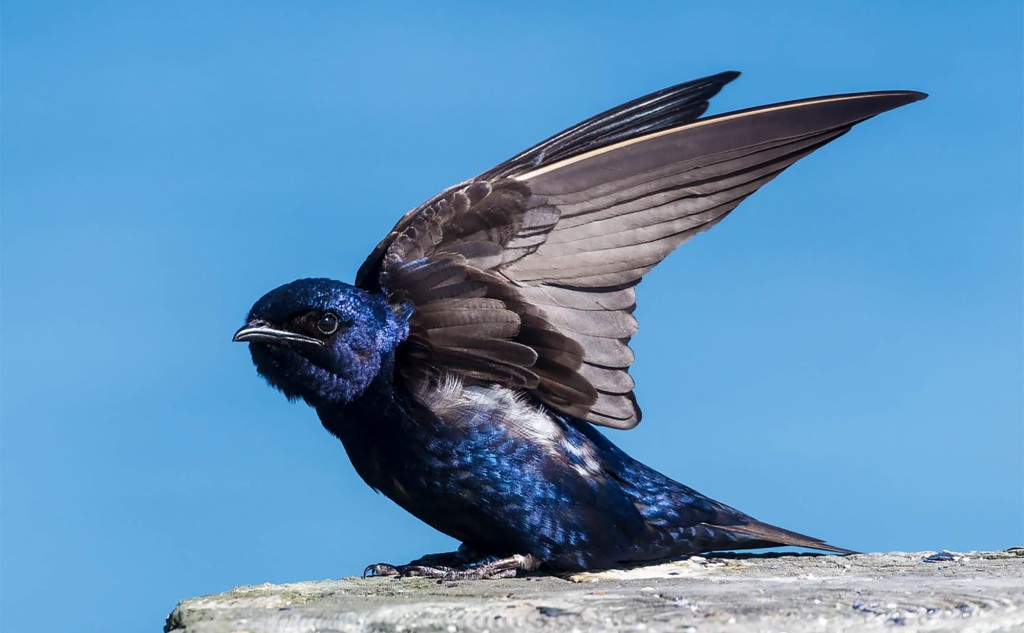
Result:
x=321 y=340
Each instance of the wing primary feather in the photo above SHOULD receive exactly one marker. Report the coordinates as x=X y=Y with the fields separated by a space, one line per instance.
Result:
x=659 y=110
x=851 y=108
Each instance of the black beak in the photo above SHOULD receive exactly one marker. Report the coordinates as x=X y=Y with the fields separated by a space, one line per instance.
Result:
x=260 y=332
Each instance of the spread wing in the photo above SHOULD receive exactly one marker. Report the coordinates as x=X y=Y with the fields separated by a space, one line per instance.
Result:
x=526 y=275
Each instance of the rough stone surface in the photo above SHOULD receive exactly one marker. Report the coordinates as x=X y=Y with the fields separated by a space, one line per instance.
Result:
x=925 y=591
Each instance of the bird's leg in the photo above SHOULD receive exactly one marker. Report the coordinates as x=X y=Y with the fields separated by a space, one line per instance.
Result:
x=481 y=570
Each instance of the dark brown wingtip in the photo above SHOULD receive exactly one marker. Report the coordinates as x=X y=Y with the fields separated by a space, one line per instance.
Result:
x=900 y=98
x=728 y=75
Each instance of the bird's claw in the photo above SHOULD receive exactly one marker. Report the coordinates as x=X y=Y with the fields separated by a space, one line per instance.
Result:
x=381 y=569
x=423 y=571
x=497 y=568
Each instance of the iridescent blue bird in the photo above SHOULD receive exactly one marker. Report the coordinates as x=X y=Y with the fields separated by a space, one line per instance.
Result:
x=489 y=332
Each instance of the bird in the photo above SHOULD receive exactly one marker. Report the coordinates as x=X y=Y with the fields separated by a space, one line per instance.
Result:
x=486 y=338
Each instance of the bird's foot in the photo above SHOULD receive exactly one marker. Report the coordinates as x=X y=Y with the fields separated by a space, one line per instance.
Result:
x=488 y=569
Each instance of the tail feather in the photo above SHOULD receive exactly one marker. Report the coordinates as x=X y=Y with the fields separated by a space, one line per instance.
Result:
x=765 y=535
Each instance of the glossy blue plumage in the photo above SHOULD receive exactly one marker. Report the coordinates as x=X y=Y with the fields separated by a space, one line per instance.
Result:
x=479 y=481
x=335 y=373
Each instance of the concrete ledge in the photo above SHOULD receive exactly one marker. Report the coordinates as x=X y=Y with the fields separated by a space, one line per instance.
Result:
x=925 y=591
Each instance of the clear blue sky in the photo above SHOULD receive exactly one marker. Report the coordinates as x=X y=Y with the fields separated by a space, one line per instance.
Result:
x=841 y=356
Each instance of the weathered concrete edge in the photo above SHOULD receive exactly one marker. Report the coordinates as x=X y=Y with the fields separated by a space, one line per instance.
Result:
x=352 y=595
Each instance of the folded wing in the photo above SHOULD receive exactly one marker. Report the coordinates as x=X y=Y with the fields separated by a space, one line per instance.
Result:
x=525 y=276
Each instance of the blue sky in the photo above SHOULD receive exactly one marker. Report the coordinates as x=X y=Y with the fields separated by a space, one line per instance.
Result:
x=841 y=356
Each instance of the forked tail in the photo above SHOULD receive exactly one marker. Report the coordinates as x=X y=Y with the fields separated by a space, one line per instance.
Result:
x=765 y=535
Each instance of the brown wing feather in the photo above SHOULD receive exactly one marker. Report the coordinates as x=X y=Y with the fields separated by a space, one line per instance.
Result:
x=528 y=280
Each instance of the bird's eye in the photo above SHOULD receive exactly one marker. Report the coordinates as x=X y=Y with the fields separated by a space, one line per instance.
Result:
x=327 y=323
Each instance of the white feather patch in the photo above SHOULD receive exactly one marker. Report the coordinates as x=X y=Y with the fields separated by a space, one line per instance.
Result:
x=458 y=404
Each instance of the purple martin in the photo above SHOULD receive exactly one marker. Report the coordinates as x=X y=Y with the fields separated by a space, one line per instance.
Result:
x=487 y=335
